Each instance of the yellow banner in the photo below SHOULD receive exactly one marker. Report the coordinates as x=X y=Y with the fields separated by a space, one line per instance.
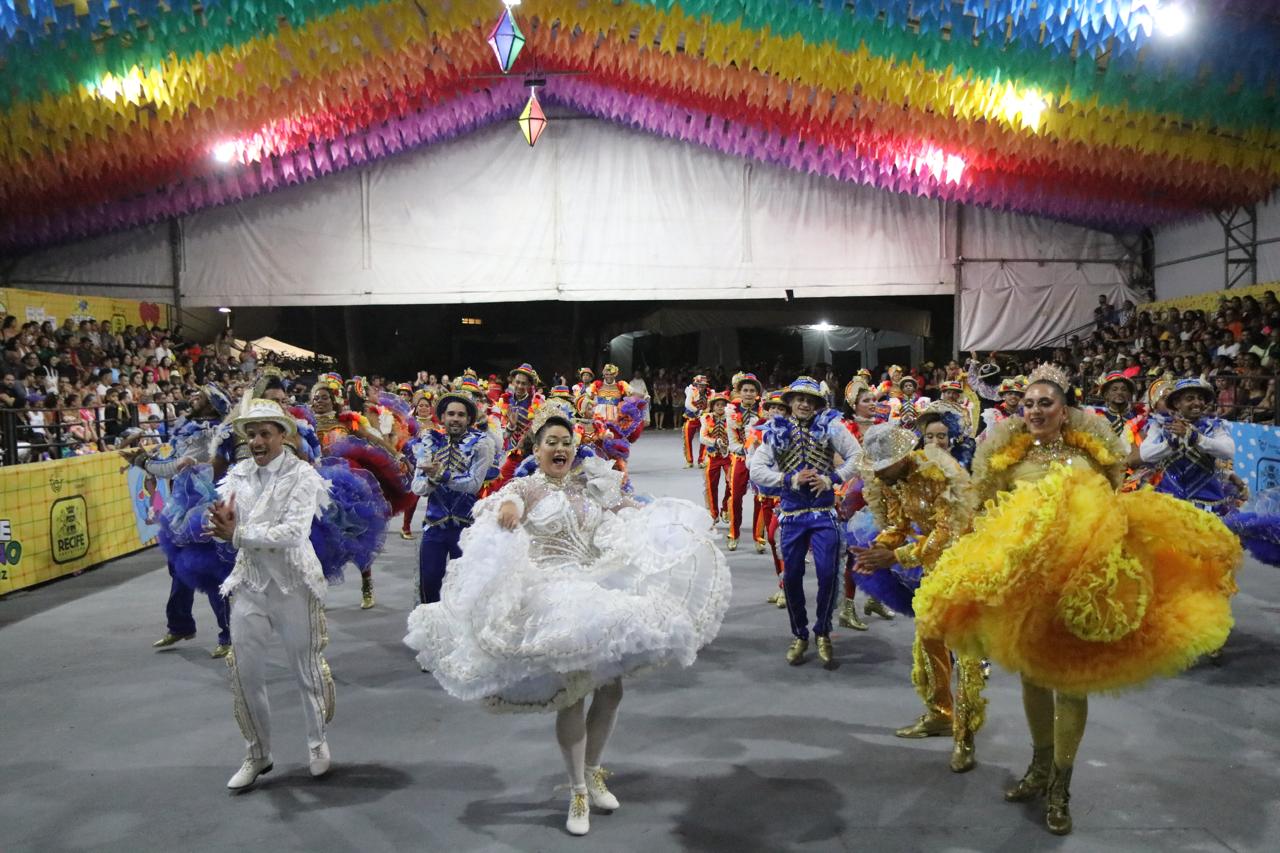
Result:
x=65 y=515
x=40 y=306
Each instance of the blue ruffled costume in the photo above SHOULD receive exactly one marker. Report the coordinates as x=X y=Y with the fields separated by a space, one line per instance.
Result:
x=895 y=586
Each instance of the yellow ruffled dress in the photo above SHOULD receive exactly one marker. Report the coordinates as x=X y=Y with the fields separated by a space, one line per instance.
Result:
x=1074 y=586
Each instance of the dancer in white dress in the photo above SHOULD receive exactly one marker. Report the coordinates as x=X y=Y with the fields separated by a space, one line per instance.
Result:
x=565 y=585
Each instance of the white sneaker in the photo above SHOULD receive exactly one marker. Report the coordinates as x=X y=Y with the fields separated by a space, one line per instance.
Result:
x=320 y=759
x=579 y=820
x=249 y=773
x=600 y=796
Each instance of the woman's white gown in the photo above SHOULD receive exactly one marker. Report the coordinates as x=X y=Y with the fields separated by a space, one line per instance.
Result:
x=591 y=586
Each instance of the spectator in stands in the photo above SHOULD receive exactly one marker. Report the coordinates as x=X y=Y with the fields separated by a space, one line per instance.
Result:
x=115 y=416
x=9 y=328
x=1227 y=347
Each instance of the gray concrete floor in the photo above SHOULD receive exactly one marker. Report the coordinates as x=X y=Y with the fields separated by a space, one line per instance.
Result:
x=106 y=744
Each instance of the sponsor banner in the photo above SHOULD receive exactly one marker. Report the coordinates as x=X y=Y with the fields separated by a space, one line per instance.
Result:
x=58 y=307
x=1257 y=459
x=66 y=515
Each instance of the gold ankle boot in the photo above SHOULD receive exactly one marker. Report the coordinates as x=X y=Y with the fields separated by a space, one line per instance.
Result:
x=933 y=723
x=795 y=653
x=1034 y=782
x=849 y=617
x=826 y=653
x=782 y=599
x=877 y=608
x=962 y=754
x=169 y=639
x=759 y=547
x=366 y=592
x=1057 y=816
x=733 y=544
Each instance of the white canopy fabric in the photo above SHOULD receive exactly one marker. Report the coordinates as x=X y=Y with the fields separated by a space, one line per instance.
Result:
x=598 y=211
x=280 y=348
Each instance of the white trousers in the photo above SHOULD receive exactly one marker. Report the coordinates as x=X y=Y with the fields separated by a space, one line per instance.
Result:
x=298 y=618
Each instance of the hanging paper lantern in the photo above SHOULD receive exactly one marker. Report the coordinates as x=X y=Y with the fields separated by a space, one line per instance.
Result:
x=532 y=119
x=506 y=40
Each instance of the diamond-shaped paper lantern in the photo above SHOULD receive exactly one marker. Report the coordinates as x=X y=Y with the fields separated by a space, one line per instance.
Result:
x=506 y=40
x=532 y=120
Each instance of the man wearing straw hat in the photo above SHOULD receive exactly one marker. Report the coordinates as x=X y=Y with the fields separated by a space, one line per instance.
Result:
x=266 y=507
x=922 y=502
x=797 y=459
x=450 y=469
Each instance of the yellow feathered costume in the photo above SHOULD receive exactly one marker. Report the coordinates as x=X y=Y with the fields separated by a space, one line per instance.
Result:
x=1074 y=586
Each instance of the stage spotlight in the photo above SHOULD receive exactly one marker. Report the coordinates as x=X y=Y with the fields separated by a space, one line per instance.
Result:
x=824 y=326
x=224 y=310
x=1172 y=19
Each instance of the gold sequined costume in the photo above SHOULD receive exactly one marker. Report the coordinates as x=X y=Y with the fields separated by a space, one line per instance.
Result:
x=920 y=516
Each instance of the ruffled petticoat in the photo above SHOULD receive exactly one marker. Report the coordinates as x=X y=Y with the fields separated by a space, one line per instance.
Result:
x=1081 y=589
x=521 y=635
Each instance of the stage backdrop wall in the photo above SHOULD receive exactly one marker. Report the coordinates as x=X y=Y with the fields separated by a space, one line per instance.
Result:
x=599 y=211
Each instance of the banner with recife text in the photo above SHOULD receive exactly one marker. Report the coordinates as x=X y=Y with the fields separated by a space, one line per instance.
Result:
x=66 y=515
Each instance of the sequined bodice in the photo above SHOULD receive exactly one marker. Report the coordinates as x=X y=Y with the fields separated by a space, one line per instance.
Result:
x=562 y=519
x=1040 y=457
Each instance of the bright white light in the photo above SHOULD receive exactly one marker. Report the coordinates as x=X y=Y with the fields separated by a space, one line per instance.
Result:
x=954 y=168
x=224 y=310
x=224 y=152
x=824 y=326
x=1030 y=105
x=132 y=88
x=108 y=88
x=510 y=3
x=1172 y=20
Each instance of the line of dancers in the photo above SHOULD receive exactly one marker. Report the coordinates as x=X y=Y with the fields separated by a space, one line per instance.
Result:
x=546 y=578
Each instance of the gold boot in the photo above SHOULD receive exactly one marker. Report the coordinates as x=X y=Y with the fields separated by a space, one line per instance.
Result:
x=759 y=546
x=782 y=599
x=933 y=723
x=962 y=754
x=169 y=639
x=366 y=592
x=1057 y=817
x=733 y=544
x=795 y=653
x=1034 y=782
x=877 y=607
x=825 y=653
x=773 y=599
x=849 y=616
x=221 y=651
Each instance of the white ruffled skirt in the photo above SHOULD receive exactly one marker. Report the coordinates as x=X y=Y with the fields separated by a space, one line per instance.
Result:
x=521 y=635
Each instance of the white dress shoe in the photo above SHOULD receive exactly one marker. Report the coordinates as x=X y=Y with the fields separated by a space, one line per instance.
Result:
x=320 y=759
x=249 y=773
x=601 y=797
x=579 y=820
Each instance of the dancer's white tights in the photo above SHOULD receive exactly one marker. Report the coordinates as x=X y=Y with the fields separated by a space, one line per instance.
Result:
x=582 y=736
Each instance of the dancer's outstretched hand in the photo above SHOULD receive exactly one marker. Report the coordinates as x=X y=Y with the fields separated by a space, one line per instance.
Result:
x=509 y=516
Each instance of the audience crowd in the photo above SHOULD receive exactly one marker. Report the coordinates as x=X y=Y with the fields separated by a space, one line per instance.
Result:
x=79 y=387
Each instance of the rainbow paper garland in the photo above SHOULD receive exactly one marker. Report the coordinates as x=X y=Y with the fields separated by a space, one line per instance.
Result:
x=132 y=111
